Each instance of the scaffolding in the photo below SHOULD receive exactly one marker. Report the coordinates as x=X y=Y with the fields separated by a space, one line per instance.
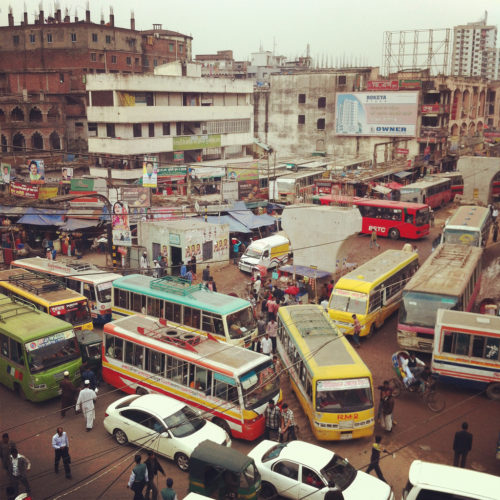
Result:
x=412 y=50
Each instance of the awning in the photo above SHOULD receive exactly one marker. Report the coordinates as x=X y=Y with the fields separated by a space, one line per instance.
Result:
x=11 y=211
x=252 y=221
x=394 y=185
x=77 y=224
x=305 y=271
x=234 y=225
x=45 y=217
x=402 y=175
x=382 y=189
x=262 y=145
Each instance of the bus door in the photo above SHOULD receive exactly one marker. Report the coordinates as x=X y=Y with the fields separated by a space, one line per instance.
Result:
x=88 y=291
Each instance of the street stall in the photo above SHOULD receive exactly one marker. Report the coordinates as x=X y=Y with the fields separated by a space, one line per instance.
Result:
x=310 y=282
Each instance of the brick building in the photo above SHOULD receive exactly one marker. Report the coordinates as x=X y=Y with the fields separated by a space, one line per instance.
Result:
x=49 y=59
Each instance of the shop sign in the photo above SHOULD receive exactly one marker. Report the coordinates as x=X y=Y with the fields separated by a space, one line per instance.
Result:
x=24 y=190
x=402 y=151
x=430 y=108
x=382 y=85
x=46 y=192
x=188 y=142
x=243 y=171
x=82 y=185
x=172 y=170
x=178 y=156
x=410 y=84
x=174 y=239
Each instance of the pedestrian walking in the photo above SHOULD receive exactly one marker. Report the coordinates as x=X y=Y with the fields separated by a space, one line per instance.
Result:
x=387 y=411
x=68 y=393
x=205 y=275
x=385 y=387
x=163 y=265
x=356 y=331
x=375 y=457
x=157 y=269
x=272 y=331
x=144 y=263
x=373 y=239
x=271 y=308
x=18 y=469
x=88 y=374
x=211 y=284
x=60 y=443
x=183 y=270
x=266 y=345
x=138 y=478
x=153 y=468
x=272 y=417
x=494 y=213
x=495 y=232
x=287 y=424
x=278 y=368
x=257 y=285
x=261 y=327
x=5 y=446
x=462 y=444
x=168 y=493
x=192 y=263
x=85 y=403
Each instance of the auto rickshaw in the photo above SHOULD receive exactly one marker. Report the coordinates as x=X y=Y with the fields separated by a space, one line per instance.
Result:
x=90 y=344
x=223 y=473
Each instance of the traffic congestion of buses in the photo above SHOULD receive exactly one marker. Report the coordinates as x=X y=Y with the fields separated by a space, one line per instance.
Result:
x=189 y=357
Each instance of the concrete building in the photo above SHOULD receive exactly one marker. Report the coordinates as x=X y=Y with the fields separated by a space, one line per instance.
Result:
x=53 y=56
x=474 y=51
x=174 y=110
x=222 y=64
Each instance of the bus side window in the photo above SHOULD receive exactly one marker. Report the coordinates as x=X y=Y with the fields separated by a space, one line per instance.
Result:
x=478 y=344
x=76 y=286
x=89 y=291
x=16 y=352
x=154 y=308
x=136 y=303
x=462 y=343
x=122 y=298
x=309 y=388
x=169 y=311
x=447 y=342
x=129 y=353
x=4 y=341
x=492 y=349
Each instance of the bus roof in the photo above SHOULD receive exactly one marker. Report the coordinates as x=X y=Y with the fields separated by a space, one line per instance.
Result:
x=62 y=295
x=320 y=341
x=81 y=270
x=468 y=321
x=373 y=202
x=210 y=352
x=468 y=216
x=368 y=275
x=425 y=183
x=23 y=322
x=300 y=174
x=211 y=301
x=446 y=271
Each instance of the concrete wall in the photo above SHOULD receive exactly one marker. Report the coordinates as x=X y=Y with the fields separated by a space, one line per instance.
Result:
x=322 y=244
x=478 y=172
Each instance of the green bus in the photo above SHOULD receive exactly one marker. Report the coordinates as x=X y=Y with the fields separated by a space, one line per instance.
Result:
x=35 y=350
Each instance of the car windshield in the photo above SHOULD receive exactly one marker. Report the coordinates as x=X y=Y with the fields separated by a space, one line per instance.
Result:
x=345 y=395
x=53 y=350
x=345 y=300
x=104 y=292
x=420 y=309
x=461 y=237
x=259 y=385
x=241 y=323
x=422 y=217
x=339 y=472
x=184 y=422
x=273 y=452
x=76 y=313
x=253 y=253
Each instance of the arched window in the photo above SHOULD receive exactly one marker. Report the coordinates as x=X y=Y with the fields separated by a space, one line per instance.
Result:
x=37 y=141
x=18 y=142
x=17 y=115
x=55 y=141
x=3 y=144
x=53 y=114
x=35 y=115
x=2 y=116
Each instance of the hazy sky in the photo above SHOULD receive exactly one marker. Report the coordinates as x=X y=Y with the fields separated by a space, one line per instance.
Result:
x=335 y=29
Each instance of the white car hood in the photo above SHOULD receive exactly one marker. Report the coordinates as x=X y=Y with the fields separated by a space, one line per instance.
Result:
x=249 y=260
x=366 y=486
x=209 y=431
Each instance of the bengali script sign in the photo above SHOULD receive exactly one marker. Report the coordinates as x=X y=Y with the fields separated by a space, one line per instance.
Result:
x=187 y=142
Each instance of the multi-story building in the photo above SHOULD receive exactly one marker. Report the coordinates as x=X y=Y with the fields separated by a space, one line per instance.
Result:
x=222 y=64
x=54 y=56
x=173 y=111
x=474 y=51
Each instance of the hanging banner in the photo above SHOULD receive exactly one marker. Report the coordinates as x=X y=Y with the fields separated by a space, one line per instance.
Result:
x=82 y=184
x=24 y=190
x=66 y=175
x=138 y=200
x=6 y=173
x=47 y=192
x=150 y=171
x=36 y=169
x=120 y=222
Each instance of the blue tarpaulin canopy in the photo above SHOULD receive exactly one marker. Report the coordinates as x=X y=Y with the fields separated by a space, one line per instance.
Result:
x=253 y=221
x=234 y=225
x=305 y=271
x=402 y=175
x=42 y=217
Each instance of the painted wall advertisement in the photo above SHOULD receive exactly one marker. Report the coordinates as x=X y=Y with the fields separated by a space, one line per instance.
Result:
x=386 y=114
x=121 y=227
x=207 y=244
x=150 y=172
x=247 y=176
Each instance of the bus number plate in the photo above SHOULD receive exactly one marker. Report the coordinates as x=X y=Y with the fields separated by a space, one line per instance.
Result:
x=346 y=435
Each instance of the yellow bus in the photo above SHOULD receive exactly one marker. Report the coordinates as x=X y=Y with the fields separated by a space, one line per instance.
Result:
x=48 y=295
x=331 y=381
x=372 y=291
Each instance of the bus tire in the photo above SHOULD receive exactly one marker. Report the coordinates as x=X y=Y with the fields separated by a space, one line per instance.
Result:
x=493 y=391
x=141 y=391
x=222 y=424
x=182 y=461
x=19 y=391
x=267 y=490
x=120 y=436
x=393 y=233
x=372 y=330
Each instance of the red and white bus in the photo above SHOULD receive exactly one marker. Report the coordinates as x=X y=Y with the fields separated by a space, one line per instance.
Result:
x=395 y=219
x=457 y=182
x=230 y=384
x=434 y=191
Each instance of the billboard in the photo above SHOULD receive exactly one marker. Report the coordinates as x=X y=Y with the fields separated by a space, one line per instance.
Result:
x=150 y=171
x=382 y=85
x=36 y=169
x=6 y=168
x=385 y=114
x=121 y=227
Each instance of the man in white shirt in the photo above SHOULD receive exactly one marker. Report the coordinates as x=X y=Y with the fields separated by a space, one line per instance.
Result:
x=144 y=263
x=85 y=403
x=60 y=443
x=266 y=345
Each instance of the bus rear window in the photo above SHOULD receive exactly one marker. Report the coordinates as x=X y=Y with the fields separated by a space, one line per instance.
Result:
x=345 y=300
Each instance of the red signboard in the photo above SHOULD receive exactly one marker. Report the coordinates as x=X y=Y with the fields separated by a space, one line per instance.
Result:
x=491 y=134
x=430 y=108
x=402 y=151
x=382 y=85
x=24 y=190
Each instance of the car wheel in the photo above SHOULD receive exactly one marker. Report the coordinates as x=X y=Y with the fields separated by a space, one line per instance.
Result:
x=267 y=490
x=120 y=436
x=182 y=461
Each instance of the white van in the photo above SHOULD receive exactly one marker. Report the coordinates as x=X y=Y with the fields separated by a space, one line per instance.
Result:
x=267 y=252
x=428 y=481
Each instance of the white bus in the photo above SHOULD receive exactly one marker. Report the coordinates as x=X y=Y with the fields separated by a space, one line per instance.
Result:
x=82 y=277
x=469 y=225
x=466 y=350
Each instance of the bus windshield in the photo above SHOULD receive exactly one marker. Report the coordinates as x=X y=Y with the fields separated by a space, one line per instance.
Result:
x=259 y=385
x=345 y=300
x=241 y=323
x=421 y=308
x=422 y=217
x=76 y=313
x=253 y=253
x=342 y=396
x=461 y=237
x=104 y=292
x=51 y=351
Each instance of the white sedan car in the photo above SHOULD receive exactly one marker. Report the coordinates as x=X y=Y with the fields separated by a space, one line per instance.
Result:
x=162 y=424
x=301 y=470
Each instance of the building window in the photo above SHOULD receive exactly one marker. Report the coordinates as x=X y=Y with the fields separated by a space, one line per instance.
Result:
x=32 y=38
x=151 y=129
x=145 y=62
x=94 y=37
x=181 y=48
x=322 y=102
x=73 y=37
x=302 y=119
x=170 y=47
x=129 y=61
x=178 y=128
x=93 y=56
x=136 y=61
x=137 y=129
x=15 y=39
x=110 y=129
x=341 y=79
x=49 y=37
x=321 y=124
x=108 y=38
x=113 y=59
x=92 y=129
x=166 y=129
x=61 y=77
x=155 y=62
x=302 y=98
